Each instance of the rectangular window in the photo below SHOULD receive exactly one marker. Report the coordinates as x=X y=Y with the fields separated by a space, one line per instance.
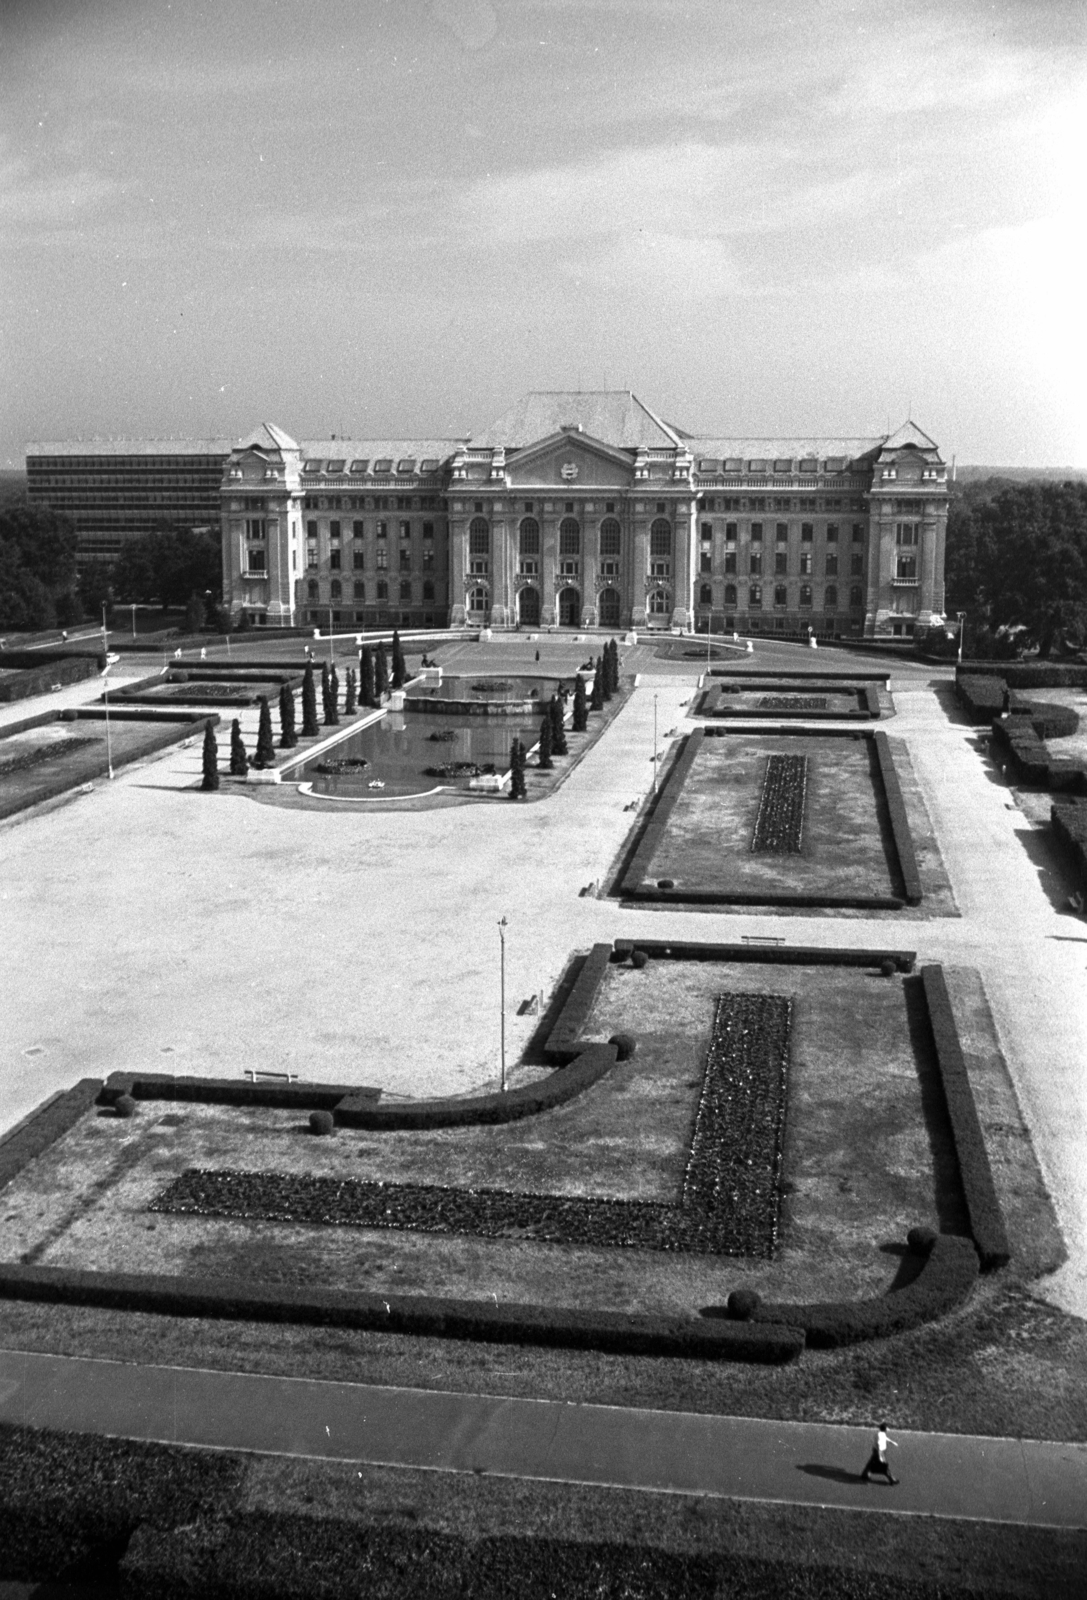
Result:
x=479 y=541
x=334 y=560
x=609 y=569
x=357 y=530
x=311 y=530
x=832 y=566
x=856 y=566
x=705 y=561
x=730 y=561
x=706 y=530
x=730 y=531
x=805 y=563
x=858 y=533
x=755 y=596
x=781 y=562
x=660 y=569
x=405 y=560
x=569 y=567
x=311 y=555
x=428 y=560
x=405 y=590
x=781 y=595
x=907 y=567
x=383 y=530
x=360 y=590
x=805 y=594
x=255 y=528
x=382 y=560
x=660 y=541
x=609 y=541
x=781 y=532
x=479 y=566
x=807 y=532
x=756 y=532
x=832 y=533
x=382 y=589
x=907 y=533
x=428 y=530
x=334 y=531
x=359 y=560
x=405 y=530
x=755 y=566
x=257 y=560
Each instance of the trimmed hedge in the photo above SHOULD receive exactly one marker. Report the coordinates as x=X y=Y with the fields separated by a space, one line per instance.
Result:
x=982 y=1205
x=943 y=1283
x=1069 y=823
x=900 y=822
x=1030 y=761
x=563 y=1042
x=638 y=868
x=785 y=955
x=634 y=1333
x=1029 y=674
x=1049 y=719
x=44 y=1126
x=982 y=698
x=41 y=669
x=228 y=1092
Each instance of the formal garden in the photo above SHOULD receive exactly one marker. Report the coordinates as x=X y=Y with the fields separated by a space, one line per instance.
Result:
x=809 y=698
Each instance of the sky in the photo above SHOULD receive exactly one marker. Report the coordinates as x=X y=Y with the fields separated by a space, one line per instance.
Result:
x=393 y=217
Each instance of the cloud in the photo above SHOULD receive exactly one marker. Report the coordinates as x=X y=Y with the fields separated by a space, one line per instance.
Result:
x=30 y=201
x=659 y=267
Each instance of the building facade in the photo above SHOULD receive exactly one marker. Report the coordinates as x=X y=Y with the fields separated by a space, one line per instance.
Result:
x=573 y=509
x=117 y=489
x=583 y=509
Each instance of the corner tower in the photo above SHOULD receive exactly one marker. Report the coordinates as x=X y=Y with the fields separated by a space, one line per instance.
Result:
x=261 y=512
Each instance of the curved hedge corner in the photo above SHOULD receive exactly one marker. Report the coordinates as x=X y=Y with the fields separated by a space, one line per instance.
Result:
x=900 y=822
x=635 y=1333
x=563 y=1042
x=44 y=1126
x=982 y=698
x=982 y=1205
x=1048 y=719
x=562 y=1085
x=943 y=1283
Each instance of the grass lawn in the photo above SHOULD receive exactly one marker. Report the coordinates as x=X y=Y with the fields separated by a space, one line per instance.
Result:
x=39 y=762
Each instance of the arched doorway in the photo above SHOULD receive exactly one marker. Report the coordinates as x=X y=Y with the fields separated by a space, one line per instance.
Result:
x=609 y=608
x=659 y=608
x=478 y=602
x=569 y=608
x=528 y=607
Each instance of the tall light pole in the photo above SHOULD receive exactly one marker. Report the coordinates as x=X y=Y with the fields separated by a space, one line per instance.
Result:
x=654 y=744
x=502 y=926
x=132 y=608
x=105 y=693
x=330 y=645
x=962 y=625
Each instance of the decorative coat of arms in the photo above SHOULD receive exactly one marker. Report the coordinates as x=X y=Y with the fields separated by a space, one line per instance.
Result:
x=569 y=470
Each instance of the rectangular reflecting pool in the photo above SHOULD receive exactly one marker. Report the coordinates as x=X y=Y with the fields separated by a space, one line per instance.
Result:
x=398 y=750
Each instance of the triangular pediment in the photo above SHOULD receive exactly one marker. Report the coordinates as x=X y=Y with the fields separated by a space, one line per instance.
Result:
x=267 y=438
x=572 y=459
x=909 y=435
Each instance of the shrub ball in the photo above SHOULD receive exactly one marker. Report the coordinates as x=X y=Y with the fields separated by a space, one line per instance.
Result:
x=320 y=1123
x=625 y=1045
x=666 y=883
x=922 y=1240
x=742 y=1304
x=639 y=959
x=124 y=1106
x=887 y=967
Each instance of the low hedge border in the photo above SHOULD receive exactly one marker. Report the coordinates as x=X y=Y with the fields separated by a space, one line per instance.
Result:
x=44 y=1126
x=798 y=955
x=1028 y=674
x=981 y=697
x=867 y=704
x=943 y=1283
x=638 y=866
x=982 y=1205
x=899 y=819
x=1068 y=820
x=779 y=674
x=1030 y=761
x=1048 y=718
x=429 y=1316
x=34 y=672
x=228 y=1092
x=563 y=1042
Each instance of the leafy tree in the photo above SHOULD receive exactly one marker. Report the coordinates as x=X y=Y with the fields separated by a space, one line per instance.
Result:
x=37 y=567
x=333 y=717
x=325 y=694
x=400 y=670
x=558 y=726
x=239 y=761
x=266 y=751
x=367 y=682
x=543 y=756
x=596 y=698
x=195 y=613
x=351 y=697
x=310 y=728
x=210 y=779
x=517 y=771
x=168 y=565
x=288 y=738
x=381 y=671
x=581 y=705
x=603 y=668
x=611 y=662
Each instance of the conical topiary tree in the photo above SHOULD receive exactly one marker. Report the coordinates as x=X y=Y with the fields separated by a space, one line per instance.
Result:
x=333 y=717
x=310 y=729
x=543 y=756
x=613 y=672
x=603 y=664
x=265 y=755
x=596 y=698
x=581 y=706
x=210 y=779
x=381 y=671
x=559 y=747
x=517 y=771
x=351 y=697
x=288 y=738
x=239 y=761
x=367 y=686
x=400 y=670
x=324 y=692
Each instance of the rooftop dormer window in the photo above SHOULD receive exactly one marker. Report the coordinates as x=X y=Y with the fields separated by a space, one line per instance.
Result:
x=360 y=466
x=430 y=464
x=384 y=464
x=406 y=465
x=312 y=466
x=336 y=466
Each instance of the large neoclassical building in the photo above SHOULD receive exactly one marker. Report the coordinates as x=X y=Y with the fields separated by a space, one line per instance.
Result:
x=582 y=509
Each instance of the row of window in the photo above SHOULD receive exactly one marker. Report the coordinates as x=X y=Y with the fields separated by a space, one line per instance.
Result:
x=763 y=502
x=781 y=596
x=379 y=529
x=382 y=464
x=380 y=592
x=407 y=560
x=804 y=564
x=370 y=502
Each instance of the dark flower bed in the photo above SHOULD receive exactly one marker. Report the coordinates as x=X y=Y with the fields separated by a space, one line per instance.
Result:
x=459 y=769
x=42 y=752
x=491 y=686
x=779 y=826
x=792 y=702
x=345 y=765
x=728 y=1203
x=445 y=736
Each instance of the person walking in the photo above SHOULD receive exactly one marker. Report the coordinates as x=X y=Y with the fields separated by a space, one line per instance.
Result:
x=877 y=1461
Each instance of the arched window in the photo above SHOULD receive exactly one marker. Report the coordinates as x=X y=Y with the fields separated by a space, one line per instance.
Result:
x=659 y=603
x=830 y=601
x=730 y=594
x=660 y=538
x=705 y=595
x=336 y=589
x=569 y=537
x=608 y=608
x=530 y=537
x=610 y=537
x=754 y=596
x=477 y=600
x=856 y=598
x=312 y=590
x=479 y=537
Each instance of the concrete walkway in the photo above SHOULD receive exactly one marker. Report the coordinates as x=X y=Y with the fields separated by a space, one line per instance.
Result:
x=666 y=1452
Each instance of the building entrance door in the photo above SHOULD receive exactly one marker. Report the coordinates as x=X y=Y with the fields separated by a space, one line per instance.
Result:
x=609 y=608
x=570 y=608
x=528 y=607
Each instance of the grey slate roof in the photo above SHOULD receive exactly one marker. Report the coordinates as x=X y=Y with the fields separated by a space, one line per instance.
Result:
x=792 y=449
x=614 y=416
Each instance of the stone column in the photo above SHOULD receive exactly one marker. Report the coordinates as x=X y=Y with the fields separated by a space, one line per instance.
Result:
x=683 y=537
x=458 y=562
x=549 y=540
x=639 y=561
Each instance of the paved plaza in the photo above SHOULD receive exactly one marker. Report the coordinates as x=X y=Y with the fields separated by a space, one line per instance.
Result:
x=149 y=926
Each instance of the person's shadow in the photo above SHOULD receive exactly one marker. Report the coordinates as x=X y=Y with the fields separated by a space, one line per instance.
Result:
x=835 y=1474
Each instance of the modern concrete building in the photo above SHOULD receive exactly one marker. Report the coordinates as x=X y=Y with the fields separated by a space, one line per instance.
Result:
x=117 y=489
x=573 y=509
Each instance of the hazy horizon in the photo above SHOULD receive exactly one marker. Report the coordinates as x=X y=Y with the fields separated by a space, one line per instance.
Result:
x=394 y=218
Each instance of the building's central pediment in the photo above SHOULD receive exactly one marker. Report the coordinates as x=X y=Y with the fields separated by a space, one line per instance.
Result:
x=570 y=459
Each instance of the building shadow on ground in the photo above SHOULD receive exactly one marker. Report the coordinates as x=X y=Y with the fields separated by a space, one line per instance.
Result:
x=816 y=1469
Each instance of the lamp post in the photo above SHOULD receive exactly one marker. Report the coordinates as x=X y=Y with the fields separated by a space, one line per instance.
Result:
x=962 y=625
x=502 y=926
x=654 y=744
x=330 y=645
x=105 y=692
x=132 y=608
